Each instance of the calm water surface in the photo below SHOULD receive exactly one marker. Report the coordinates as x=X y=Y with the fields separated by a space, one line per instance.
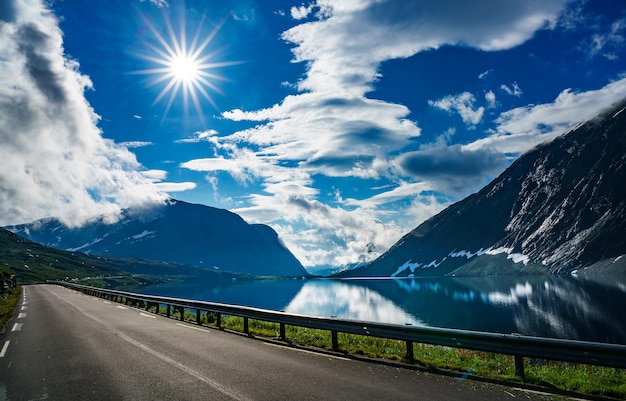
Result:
x=591 y=308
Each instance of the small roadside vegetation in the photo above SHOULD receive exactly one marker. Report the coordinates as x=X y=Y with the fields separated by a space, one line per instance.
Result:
x=9 y=297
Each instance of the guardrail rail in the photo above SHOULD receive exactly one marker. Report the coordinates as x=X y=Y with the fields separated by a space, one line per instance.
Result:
x=519 y=346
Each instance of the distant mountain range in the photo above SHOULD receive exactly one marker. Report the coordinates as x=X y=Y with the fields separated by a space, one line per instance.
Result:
x=560 y=207
x=33 y=263
x=177 y=232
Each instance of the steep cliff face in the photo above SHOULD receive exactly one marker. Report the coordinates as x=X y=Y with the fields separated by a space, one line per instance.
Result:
x=571 y=205
x=559 y=207
x=177 y=232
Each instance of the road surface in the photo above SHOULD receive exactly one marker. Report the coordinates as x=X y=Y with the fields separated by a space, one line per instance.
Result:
x=64 y=345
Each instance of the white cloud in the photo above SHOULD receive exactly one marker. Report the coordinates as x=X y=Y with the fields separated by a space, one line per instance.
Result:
x=513 y=90
x=483 y=75
x=135 y=144
x=158 y=3
x=53 y=159
x=403 y=191
x=319 y=234
x=175 y=186
x=522 y=128
x=490 y=97
x=301 y=12
x=606 y=42
x=157 y=177
x=462 y=104
x=336 y=136
x=154 y=175
x=199 y=136
x=345 y=47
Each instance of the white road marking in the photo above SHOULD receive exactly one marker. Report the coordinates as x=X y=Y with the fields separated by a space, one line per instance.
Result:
x=107 y=302
x=22 y=315
x=24 y=307
x=217 y=386
x=192 y=328
x=17 y=327
x=121 y=307
x=308 y=352
x=146 y=315
x=4 y=349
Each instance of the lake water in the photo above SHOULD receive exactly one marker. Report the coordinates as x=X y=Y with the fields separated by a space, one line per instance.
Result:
x=590 y=308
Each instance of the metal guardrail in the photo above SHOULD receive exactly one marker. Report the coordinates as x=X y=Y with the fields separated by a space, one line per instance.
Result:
x=590 y=353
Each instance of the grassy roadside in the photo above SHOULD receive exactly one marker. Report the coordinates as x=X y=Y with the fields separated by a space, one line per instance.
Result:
x=584 y=379
x=8 y=302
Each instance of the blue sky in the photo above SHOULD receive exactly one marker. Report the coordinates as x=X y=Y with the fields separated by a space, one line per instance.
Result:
x=341 y=124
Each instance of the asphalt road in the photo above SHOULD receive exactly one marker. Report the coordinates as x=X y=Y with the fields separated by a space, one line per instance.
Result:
x=64 y=345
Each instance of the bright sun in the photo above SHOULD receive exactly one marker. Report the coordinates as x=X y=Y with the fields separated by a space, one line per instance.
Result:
x=183 y=67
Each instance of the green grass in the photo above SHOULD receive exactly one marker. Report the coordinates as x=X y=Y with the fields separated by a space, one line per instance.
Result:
x=8 y=302
x=584 y=379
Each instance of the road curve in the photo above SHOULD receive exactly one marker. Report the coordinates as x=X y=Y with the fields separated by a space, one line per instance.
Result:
x=64 y=345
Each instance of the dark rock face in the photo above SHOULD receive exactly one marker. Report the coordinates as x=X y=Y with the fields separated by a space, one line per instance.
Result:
x=559 y=207
x=177 y=232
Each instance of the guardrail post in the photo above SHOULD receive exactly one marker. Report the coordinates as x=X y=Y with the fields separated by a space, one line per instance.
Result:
x=218 y=320
x=168 y=311
x=198 y=317
x=283 y=336
x=410 y=357
x=245 y=326
x=182 y=314
x=335 y=341
x=519 y=366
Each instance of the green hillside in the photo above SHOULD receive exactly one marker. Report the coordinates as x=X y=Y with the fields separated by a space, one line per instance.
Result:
x=33 y=263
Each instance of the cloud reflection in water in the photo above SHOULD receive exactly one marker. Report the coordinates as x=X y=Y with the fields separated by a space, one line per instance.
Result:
x=348 y=301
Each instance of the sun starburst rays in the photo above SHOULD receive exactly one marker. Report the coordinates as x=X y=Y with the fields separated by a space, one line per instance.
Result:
x=183 y=68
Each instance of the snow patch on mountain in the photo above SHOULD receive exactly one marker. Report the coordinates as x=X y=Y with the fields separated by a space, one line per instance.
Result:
x=85 y=245
x=144 y=233
x=406 y=265
x=513 y=256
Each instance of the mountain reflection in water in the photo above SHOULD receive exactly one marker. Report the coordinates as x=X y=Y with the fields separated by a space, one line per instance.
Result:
x=574 y=307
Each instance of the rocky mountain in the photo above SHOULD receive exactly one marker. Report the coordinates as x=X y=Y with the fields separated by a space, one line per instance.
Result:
x=560 y=207
x=177 y=232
